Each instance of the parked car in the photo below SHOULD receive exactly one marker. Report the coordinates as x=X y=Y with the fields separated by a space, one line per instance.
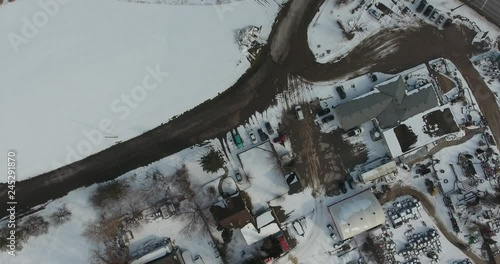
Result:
x=374 y=13
x=341 y=92
x=373 y=77
x=434 y=15
x=262 y=135
x=238 y=177
x=299 y=113
x=428 y=10
x=237 y=140
x=440 y=20
x=421 y=6
x=324 y=111
x=327 y=119
x=353 y=132
x=269 y=128
x=330 y=227
x=252 y=137
x=447 y=22
x=298 y=228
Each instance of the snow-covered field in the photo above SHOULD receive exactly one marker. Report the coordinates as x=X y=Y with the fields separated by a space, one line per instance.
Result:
x=85 y=75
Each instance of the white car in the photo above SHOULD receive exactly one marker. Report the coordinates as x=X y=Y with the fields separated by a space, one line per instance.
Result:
x=298 y=111
x=252 y=137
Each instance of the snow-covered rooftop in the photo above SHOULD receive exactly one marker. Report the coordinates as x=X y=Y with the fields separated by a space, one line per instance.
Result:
x=357 y=214
x=418 y=126
x=264 y=219
x=252 y=235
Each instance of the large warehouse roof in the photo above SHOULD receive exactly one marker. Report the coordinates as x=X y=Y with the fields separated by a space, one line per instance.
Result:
x=357 y=214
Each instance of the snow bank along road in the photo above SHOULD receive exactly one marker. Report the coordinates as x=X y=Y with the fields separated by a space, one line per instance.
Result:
x=287 y=53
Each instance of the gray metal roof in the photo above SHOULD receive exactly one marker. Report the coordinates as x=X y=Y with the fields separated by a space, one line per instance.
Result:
x=390 y=105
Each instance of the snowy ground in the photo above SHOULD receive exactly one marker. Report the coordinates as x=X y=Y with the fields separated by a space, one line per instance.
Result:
x=316 y=246
x=329 y=43
x=95 y=73
x=266 y=179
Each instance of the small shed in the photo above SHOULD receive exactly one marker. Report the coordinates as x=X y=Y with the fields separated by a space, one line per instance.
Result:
x=381 y=171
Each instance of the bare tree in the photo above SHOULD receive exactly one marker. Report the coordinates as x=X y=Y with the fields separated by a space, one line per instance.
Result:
x=34 y=225
x=109 y=253
x=102 y=229
x=182 y=183
x=108 y=192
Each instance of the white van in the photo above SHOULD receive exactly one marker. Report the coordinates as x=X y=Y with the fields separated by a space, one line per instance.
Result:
x=298 y=111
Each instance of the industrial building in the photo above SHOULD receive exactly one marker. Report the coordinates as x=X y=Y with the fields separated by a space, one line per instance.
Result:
x=357 y=214
x=389 y=103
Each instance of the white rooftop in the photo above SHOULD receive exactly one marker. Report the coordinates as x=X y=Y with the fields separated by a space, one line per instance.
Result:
x=378 y=172
x=252 y=235
x=357 y=214
x=264 y=219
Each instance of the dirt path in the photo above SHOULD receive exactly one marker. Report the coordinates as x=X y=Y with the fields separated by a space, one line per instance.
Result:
x=484 y=96
x=431 y=210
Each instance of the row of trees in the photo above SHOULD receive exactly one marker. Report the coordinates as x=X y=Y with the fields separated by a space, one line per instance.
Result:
x=119 y=197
